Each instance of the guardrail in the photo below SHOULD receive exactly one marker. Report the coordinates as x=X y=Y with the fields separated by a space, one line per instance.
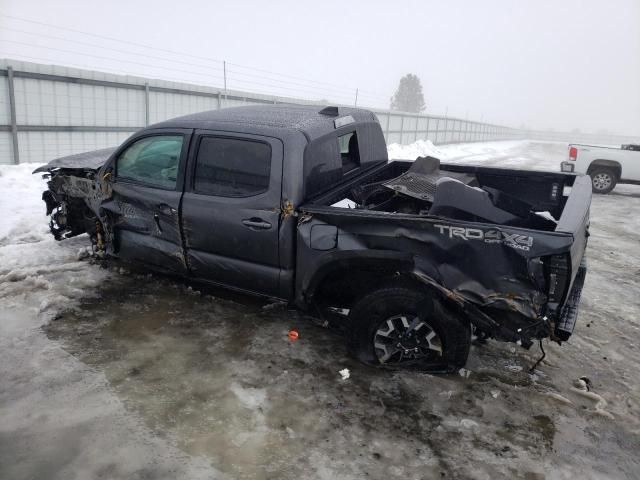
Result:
x=48 y=111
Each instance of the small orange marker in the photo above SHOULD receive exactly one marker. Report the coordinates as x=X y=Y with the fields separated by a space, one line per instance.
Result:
x=293 y=335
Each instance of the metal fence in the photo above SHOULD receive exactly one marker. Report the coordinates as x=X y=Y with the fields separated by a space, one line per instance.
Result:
x=49 y=111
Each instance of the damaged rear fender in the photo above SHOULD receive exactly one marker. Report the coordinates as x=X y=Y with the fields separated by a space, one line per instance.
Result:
x=355 y=271
x=339 y=278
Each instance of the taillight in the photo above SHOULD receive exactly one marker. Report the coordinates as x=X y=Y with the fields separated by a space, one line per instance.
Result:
x=558 y=274
x=573 y=153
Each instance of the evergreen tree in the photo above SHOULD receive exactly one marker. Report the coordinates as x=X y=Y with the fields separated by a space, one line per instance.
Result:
x=408 y=96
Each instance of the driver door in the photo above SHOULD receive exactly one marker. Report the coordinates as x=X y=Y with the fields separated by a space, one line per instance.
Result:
x=147 y=185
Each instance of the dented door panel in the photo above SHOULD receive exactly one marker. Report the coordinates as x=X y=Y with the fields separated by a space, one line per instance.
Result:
x=146 y=226
x=143 y=216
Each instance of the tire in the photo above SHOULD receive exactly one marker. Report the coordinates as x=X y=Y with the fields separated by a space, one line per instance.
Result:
x=603 y=180
x=379 y=317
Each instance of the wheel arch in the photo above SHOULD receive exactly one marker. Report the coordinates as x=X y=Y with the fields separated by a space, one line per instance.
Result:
x=611 y=164
x=343 y=276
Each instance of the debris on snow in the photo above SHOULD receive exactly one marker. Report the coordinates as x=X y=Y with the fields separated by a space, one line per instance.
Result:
x=446 y=393
x=513 y=368
x=580 y=384
x=83 y=253
x=468 y=423
x=273 y=306
x=599 y=401
x=249 y=397
x=559 y=398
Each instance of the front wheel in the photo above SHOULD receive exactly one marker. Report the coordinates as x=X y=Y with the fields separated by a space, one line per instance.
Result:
x=400 y=326
x=603 y=180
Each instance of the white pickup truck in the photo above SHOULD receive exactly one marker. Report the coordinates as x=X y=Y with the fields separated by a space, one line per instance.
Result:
x=607 y=166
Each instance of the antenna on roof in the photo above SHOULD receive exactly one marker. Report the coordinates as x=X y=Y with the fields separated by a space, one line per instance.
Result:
x=329 y=111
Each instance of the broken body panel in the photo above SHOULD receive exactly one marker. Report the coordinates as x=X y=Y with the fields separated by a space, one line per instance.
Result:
x=500 y=275
x=484 y=239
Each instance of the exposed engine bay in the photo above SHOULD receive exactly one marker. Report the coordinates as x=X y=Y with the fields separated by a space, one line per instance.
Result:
x=68 y=201
x=75 y=193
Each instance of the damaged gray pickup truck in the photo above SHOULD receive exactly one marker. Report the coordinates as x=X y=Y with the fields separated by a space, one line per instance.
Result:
x=301 y=204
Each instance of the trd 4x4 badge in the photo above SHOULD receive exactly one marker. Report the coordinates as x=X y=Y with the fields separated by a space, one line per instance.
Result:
x=514 y=240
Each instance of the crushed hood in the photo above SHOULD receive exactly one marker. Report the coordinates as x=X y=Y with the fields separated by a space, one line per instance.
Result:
x=86 y=160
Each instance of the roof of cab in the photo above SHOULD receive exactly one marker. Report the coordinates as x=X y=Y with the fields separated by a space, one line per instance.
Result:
x=303 y=118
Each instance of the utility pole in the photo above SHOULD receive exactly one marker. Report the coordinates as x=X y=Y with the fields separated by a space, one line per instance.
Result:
x=224 y=66
x=355 y=104
x=12 y=116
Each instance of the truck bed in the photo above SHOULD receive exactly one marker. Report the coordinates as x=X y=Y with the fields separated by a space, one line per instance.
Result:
x=522 y=192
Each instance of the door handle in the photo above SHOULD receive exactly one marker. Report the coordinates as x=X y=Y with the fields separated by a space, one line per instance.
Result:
x=168 y=210
x=256 y=223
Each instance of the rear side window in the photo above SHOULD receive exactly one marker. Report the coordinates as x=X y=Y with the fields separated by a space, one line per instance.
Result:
x=152 y=160
x=349 y=151
x=232 y=167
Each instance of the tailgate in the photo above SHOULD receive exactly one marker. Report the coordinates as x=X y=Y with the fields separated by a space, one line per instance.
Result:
x=575 y=220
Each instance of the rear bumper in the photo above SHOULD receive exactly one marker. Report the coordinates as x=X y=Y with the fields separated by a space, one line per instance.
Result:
x=567 y=167
x=567 y=321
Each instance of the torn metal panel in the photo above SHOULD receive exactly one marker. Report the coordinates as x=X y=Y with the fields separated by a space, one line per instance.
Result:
x=487 y=266
x=421 y=180
x=145 y=224
x=92 y=160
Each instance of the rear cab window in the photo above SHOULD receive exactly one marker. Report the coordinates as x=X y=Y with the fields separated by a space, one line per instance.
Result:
x=349 y=151
x=232 y=167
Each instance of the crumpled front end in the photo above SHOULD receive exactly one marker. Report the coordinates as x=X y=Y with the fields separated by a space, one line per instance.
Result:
x=75 y=193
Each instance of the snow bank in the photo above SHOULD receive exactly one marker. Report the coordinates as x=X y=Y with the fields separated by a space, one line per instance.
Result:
x=36 y=271
x=23 y=217
x=421 y=148
x=521 y=154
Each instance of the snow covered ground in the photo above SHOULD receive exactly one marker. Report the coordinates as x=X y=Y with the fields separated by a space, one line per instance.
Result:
x=510 y=154
x=59 y=418
x=106 y=373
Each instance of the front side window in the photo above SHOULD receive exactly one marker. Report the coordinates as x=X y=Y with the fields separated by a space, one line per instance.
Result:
x=232 y=167
x=152 y=160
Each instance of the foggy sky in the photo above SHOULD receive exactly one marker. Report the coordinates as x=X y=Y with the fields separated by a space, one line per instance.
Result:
x=545 y=64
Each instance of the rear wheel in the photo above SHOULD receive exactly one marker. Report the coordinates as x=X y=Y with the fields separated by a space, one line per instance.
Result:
x=603 y=180
x=400 y=326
